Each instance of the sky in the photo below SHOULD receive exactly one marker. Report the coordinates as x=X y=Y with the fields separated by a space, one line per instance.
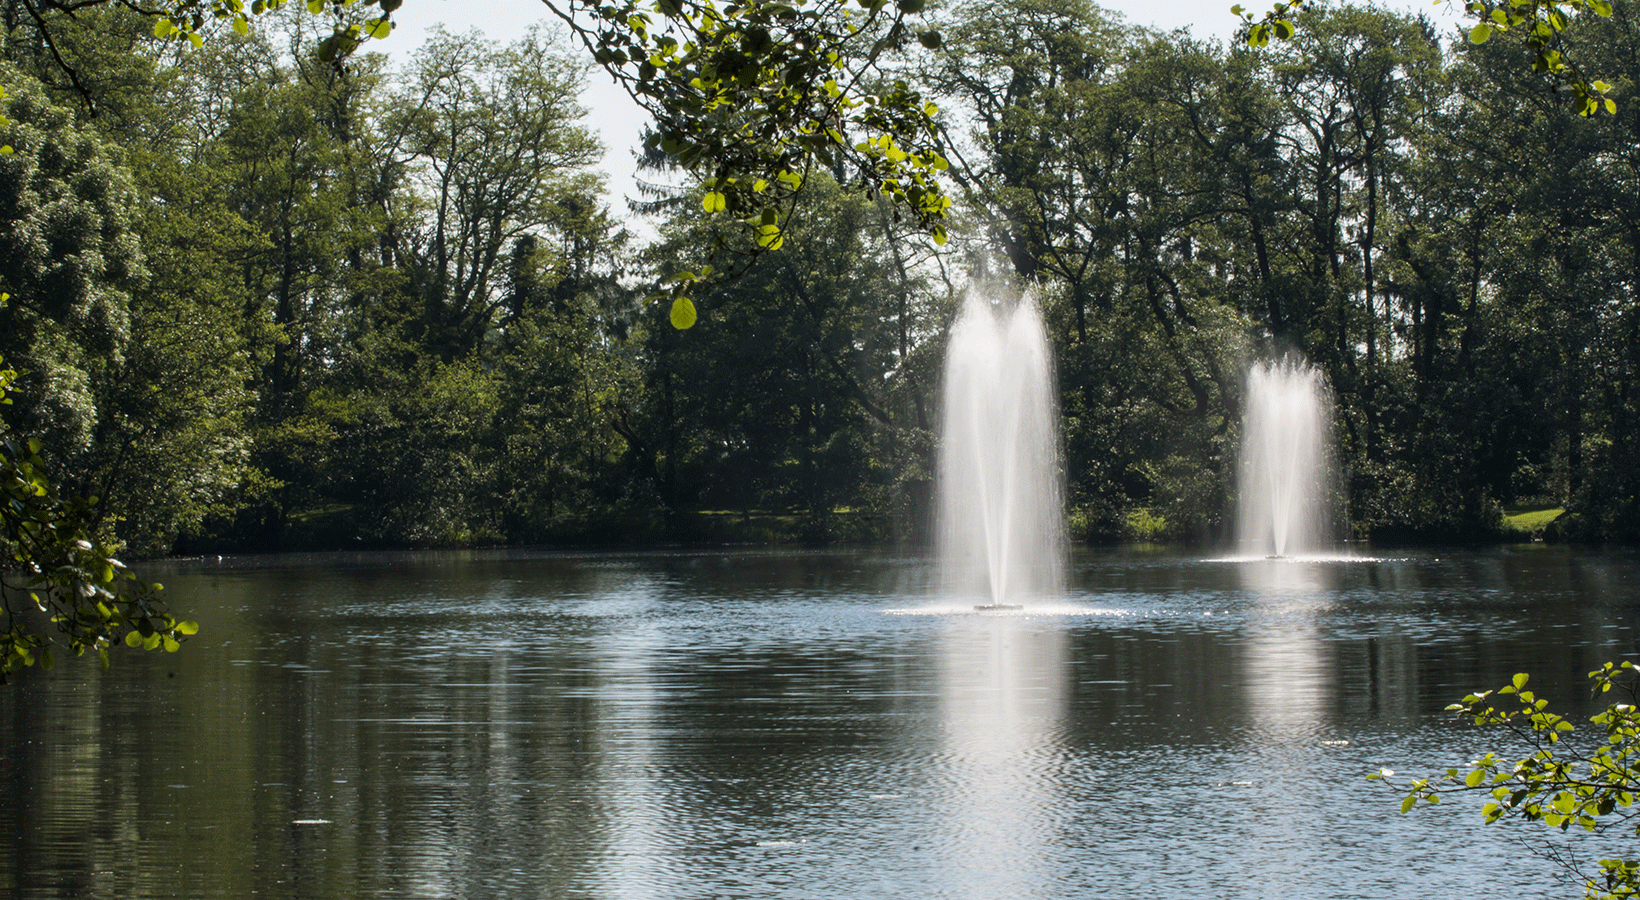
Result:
x=620 y=123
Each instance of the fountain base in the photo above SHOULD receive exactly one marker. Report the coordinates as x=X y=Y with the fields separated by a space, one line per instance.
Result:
x=996 y=607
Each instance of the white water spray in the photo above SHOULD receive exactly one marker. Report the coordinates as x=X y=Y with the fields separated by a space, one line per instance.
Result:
x=1286 y=462
x=1001 y=517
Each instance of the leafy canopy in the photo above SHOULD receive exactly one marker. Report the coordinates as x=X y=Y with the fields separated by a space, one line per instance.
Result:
x=190 y=19
x=1541 y=26
x=749 y=96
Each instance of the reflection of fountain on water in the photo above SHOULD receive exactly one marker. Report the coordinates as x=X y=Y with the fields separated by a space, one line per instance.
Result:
x=1286 y=462
x=1003 y=702
x=1001 y=530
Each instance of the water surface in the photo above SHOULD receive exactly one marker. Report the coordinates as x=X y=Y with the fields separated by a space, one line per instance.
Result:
x=530 y=725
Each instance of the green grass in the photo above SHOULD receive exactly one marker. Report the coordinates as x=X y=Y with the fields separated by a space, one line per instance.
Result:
x=1529 y=519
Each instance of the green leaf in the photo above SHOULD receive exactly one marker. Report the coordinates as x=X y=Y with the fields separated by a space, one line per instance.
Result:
x=714 y=201
x=1480 y=34
x=683 y=313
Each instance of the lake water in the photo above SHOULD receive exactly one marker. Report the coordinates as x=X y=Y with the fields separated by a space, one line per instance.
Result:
x=795 y=725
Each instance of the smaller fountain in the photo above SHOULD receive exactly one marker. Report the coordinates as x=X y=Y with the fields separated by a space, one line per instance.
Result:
x=1285 y=495
x=1001 y=517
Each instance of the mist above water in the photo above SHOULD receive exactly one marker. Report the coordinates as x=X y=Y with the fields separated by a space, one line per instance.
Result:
x=999 y=503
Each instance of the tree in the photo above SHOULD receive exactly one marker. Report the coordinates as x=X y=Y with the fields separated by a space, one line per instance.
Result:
x=66 y=244
x=1539 y=25
x=491 y=143
x=67 y=581
x=797 y=390
x=750 y=96
x=1520 y=264
x=1559 y=781
x=755 y=97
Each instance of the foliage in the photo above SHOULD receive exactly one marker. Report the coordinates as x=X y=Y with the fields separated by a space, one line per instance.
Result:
x=755 y=97
x=61 y=576
x=494 y=148
x=802 y=393
x=189 y=20
x=69 y=258
x=1556 y=782
x=65 y=580
x=1540 y=24
x=752 y=96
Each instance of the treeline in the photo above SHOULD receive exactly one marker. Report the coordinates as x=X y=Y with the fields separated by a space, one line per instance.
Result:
x=263 y=301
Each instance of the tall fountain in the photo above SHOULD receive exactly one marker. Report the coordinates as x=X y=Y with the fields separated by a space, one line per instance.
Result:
x=1286 y=477
x=1001 y=535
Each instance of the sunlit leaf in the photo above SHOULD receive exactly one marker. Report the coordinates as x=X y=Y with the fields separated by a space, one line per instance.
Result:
x=683 y=313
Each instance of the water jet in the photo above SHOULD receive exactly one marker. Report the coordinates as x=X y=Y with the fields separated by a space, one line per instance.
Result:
x=1000 y=514
x=1285 y=481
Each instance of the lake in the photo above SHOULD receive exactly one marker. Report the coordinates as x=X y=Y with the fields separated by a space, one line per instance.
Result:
x=796 y=725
